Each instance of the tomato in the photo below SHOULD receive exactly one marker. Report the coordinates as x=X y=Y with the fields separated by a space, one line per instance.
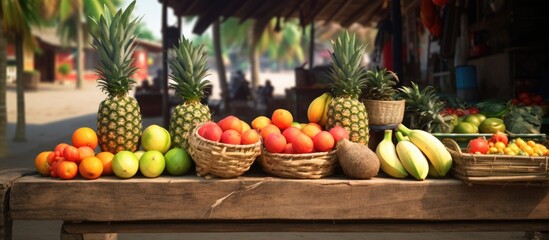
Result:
x=66 y=169
x=59 y=148
x=71 y=153
x=473 y=110
x=523 y=95
x=499 y=137
x=459 y=112
x=478 y=145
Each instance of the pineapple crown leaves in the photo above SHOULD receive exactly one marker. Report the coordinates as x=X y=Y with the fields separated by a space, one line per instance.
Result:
x=347 y=74
x=188 y=70
x=422 y=107
x=114 y=43
x=380 y=85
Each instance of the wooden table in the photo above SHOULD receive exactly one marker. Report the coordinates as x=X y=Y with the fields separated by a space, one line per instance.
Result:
x=259 y=203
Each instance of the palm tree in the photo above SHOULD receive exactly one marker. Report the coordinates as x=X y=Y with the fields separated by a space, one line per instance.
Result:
x=17 y=17
x=3 y=111
x=74 y=21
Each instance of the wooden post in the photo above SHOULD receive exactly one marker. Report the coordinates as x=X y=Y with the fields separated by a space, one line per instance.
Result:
x=164 y=82
x=312 y=46
x=396 y=19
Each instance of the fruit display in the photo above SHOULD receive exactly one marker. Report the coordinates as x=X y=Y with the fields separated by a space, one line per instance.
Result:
x=119 y=120
x=188 y=70
x=348 y=78
x=281 y=134
x=499 y=143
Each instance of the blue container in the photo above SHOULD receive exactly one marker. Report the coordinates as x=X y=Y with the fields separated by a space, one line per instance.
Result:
x=466 y=83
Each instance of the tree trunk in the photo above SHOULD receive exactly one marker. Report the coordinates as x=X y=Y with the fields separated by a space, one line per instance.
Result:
x=20 y=125
x=254 y=56
x=219 y=62
x=3 y=110
x=79 y=48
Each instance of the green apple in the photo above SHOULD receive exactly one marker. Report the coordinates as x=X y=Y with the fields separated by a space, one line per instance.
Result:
x=155 y=137
x=297 y=125
x=152 y=163
x=178 y=161
x=125 y=164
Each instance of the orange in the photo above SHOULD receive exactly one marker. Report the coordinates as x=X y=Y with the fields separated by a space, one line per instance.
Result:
x=90 y=168
x=41 y=163
x=106 y=159
x=249 y=137
x=84 y=136
x=282 y=118
x=311 y=130
x=268 y=130
x=260 y=122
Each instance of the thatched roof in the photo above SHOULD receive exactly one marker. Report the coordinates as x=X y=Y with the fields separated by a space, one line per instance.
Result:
x=344 y=12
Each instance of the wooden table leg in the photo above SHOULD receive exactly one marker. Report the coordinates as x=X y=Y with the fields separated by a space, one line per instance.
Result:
x=7 y=176
x=65 y=235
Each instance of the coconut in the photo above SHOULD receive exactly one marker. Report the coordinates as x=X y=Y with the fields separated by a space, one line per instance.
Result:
x=357 y=160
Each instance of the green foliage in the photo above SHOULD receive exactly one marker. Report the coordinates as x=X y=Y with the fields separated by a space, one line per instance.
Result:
x=188 y=70
x=347 y=73
x=64 y=69
x=114 y=45
x=422 y=107
x=380 y=85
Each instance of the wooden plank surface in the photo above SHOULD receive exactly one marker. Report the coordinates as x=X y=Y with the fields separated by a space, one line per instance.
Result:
x=267 y=198
x=304 y=226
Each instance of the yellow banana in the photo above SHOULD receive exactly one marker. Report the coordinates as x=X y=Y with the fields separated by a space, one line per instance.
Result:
x=386 y=152
x=316 y=108
x=431 y=146
x=412 y=158
x=324 y=118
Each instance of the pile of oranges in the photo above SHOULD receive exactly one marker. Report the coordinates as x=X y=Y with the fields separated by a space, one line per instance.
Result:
x=66 y=161
x=282 y=135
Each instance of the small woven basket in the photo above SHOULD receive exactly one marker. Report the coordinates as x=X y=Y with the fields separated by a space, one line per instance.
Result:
x=305 y=166
x=382 y=113
x=214 y=159
x=497 y=169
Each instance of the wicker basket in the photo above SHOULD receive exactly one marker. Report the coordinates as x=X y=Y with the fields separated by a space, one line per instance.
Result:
x=310 y=165
x=497 y=169
x=214 y=159
x=382 y=113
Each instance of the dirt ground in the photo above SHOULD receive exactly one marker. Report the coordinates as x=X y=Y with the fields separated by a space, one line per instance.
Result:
x=54 y=111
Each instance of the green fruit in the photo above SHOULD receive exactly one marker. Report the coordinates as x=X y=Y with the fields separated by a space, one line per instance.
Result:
x=465 y=127
x=473 y=118
x=492 y=125
x=178 y=161
x=152 y=164
x=138 y=154
x=125 y=164
x=155 y=137
x=481 y=116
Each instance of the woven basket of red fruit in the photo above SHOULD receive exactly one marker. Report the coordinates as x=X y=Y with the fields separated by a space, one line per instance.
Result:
x=498 y=169
x=223 y=153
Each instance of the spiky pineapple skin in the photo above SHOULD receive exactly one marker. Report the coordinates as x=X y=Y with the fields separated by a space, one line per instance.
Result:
x=351 y=114
x=185 y=118
x=119 y=124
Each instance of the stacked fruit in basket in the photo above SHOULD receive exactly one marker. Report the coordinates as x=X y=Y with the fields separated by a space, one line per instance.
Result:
x=499 y=143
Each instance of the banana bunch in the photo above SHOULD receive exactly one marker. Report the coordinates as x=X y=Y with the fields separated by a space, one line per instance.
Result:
x=417 y=153
x=318 y=109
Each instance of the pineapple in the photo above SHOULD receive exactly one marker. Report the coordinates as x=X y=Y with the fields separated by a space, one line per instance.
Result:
x=380 y=85
x=348 y=77
x=119 y=121
x=188 y=72
x=422 y=109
